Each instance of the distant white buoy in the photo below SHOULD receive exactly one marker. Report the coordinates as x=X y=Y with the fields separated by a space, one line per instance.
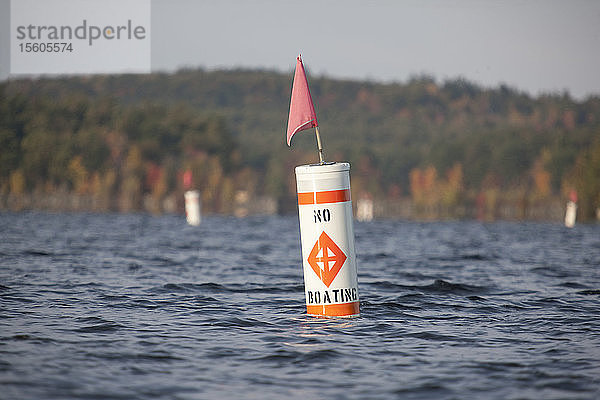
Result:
x=364 y=209
x=327 y=237
x=570 y=214
x=192 y=207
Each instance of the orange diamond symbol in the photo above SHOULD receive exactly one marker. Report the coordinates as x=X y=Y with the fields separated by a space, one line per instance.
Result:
x=326 y=259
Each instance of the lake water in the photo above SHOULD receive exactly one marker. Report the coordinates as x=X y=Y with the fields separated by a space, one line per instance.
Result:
x=143 y=307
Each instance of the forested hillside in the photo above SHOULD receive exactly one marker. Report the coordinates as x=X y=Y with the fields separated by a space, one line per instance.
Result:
x=432 y=149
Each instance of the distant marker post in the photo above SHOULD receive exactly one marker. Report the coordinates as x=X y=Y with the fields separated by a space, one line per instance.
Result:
x=192 y=207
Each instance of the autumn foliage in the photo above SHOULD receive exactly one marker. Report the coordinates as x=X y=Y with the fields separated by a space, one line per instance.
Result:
x=440 y=150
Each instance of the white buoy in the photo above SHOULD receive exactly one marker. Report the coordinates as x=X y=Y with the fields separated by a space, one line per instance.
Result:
x=364 y=209
x=571 y=214
x=327 y=237
x=571 y=211
x=192 y=207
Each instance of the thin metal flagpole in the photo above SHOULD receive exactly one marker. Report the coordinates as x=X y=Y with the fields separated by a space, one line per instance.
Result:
x=319 y=145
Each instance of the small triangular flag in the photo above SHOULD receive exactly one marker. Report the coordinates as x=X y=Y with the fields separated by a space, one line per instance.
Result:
x=302 y=111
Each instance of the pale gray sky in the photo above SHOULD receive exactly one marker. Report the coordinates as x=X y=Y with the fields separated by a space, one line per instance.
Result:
x=536 y=46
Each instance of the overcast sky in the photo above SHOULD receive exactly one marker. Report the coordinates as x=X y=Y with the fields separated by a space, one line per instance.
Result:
x=534 y=46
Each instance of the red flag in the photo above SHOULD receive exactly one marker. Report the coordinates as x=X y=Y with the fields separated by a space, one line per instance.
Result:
x=187 y=179
x=573 y=196
x=302 y=111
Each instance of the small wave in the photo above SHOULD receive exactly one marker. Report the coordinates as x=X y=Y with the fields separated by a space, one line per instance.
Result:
x=498 y=366
x=388 y=306
x=40 y=253
x=374 y=257
x=320 y=355
x=551 y=271
x=442 y=286
x=300 y=357
x=188 y=287
x=100 y=328
x=388 y=285
x=279 y=356
x=466 y=257
x=417 y=276
x=152 y=357
x=133 y=266
x=573 y=285
x=29 y=338
x=431 y=389
x=589 y=292
x=438 y=286
x=274 y=288
x=236 y=322
x=114 y=298
x=513 y=307
x=476 y=298
x=11 y=297
x=438 y=337
x=230 y=288
x=97 y=325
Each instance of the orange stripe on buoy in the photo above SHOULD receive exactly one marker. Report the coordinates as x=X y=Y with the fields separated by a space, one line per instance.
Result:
x=329 y=196
x=333 y=310
x=306 y=198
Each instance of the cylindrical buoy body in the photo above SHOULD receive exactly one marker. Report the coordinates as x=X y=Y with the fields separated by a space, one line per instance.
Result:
x=327 y=237
x=570 y=214
x=192 y=207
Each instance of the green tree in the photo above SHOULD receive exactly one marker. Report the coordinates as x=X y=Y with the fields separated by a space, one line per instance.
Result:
x=586 y=175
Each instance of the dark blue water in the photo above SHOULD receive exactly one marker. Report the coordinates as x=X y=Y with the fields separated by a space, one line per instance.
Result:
x=141 y=307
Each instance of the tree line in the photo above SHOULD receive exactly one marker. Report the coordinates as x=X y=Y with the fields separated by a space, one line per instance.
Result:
x=447 y=149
